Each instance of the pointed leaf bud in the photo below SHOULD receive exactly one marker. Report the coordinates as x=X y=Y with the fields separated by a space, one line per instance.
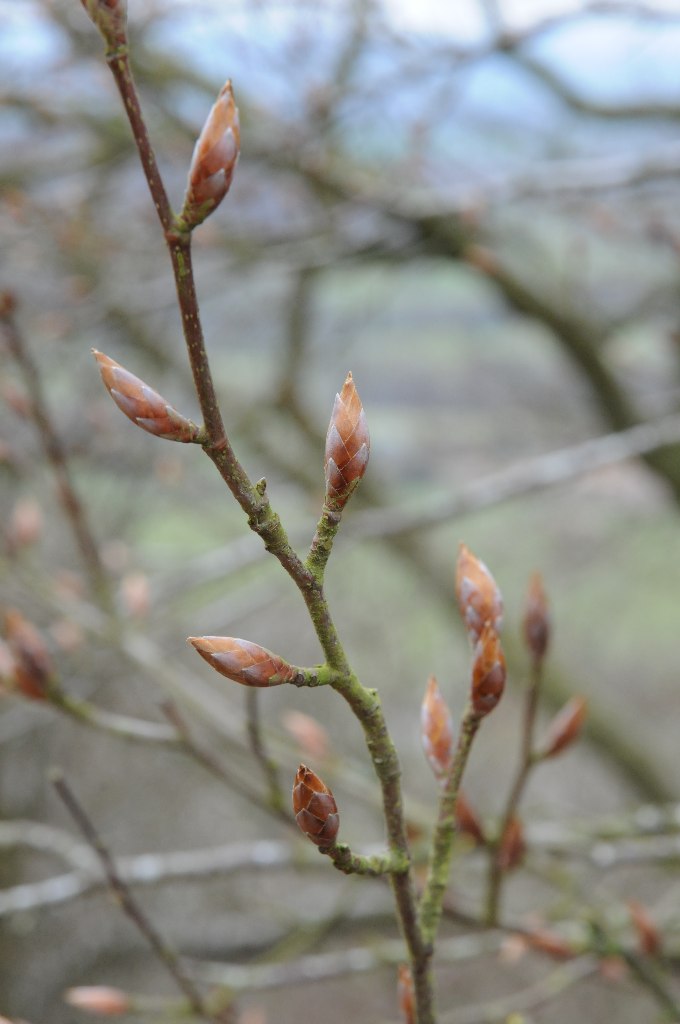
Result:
x=536 y=622
x=142 y=404
x=648 y=935
x=347 y=446
x=406 y=994
x=467 y=821
x=565 y=727
x=315 y=809
x=33 y=670
x=436 y=729
x=110 y=17
x=100 y=999
x=512 y=846
x=488 y=672
x=479 y=599
x=214 y=160
x=243 y=661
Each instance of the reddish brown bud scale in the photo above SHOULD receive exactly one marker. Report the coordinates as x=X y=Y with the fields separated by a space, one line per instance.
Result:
x=549 y=942
x=33 y=672
x=436 y=729
x=347 y=446
x=142 y=404
x=648 y=935
x=243 y=661
x=315 y=809
x=214 y=160
x=110 y=17
x=488 y=672
x=536 y=623
x=565 y=727
x=406 y=994
x=512 y=846
x=467 y=821
x=99 y=999
x=479 y=599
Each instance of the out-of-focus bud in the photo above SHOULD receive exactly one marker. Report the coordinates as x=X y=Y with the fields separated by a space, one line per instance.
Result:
x=108 y=1002
x=110 y=17
x=243 y=661
x=315 y=809
x=33 y=671
x=512 y=846
x=406 y=994
x=436 y=729
x=135 y=594
x=479 y=599
x=488 y=672
x=142 y=404
x=565 y=727
x=536 y=623
x=648 y=935
x=309 y=734
x=213 y=162
x=467 y=821
x=347 y=446
x=25 y=524
x=549 y=942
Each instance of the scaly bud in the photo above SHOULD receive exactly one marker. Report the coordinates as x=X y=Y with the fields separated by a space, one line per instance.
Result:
x=565 y=727
x=33 y=671
x=436 y=729
x=512 y=846
x=488 y=672
x=467 y=822
x=649 y=937
x=479 y=599
x=108 y=1002
x=110 y=17
x=347 y=446
x=142 y=404
x=406 y=993
x=536 y=622
x=243 y=661
x=213 y=162
x=316 y=811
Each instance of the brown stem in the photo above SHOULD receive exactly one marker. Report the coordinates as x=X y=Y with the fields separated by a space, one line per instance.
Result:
x=127 y=902
x=257 y=745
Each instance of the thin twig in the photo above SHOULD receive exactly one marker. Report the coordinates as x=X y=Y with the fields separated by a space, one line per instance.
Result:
x=257 y=744
x=127 y=902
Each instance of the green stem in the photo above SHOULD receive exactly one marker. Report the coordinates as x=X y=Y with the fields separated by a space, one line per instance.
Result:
x=356 y=864
x=322 y=543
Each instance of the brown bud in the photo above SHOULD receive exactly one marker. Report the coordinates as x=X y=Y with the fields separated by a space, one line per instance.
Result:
x=547 y=941
x=536 y=623
x=243 y=661
x=479 y=599
x=315 y=809
x=467 y=822
x=436 y=729
x=512 y=846
x=565 y=727
x=406 y=993
x=214 y=160
x=25 y=524
x=33 y=671
x=488 y=672
x=309 y=734
x=110 y=17
x=142 y=404
x=108 y=1002
x=649 y=937
x=347 y=446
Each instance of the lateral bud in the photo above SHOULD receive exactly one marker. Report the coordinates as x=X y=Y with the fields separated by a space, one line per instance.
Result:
x=347 y=446
x=110 y=17
x=512 y=846
x=477 y=593
x=141 y=404
x=488 y=672
x=536 y=623
x=565 y=727
x=648 y=935
x=406 y=994
x=213 y=162
x=243 y=661
x=436 y=729
x=315 y=809
x=32 y=671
